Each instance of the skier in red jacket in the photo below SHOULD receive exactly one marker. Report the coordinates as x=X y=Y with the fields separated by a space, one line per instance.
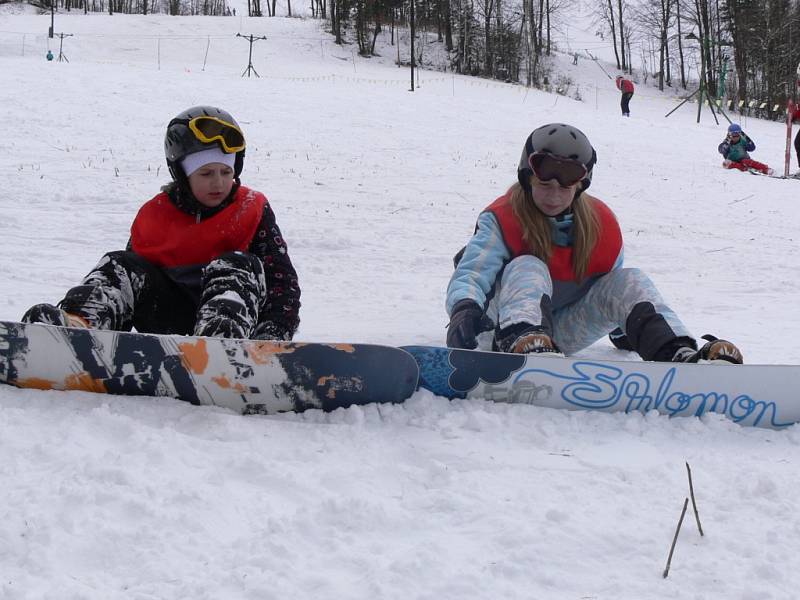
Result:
x=205 y=256
x=626 y=87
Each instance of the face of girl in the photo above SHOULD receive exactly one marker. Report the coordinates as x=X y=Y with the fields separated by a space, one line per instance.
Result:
x=211 y=184
x=550 y=197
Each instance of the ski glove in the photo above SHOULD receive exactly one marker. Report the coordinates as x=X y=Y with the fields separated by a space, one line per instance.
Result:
x=466 y=321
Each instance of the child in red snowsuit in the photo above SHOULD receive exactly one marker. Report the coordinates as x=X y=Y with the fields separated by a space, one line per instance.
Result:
x=736 y=148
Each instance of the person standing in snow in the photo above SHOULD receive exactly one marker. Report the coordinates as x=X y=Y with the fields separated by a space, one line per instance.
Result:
x=796 y=119
x=543 y=271
x=626 y=87
x=735 y=149
x=205 y=256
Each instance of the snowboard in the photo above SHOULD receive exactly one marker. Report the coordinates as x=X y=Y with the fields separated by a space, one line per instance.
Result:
x=243 y=375
x=756 y=395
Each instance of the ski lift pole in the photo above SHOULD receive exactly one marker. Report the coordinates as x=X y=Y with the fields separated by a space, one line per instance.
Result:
x=251 y=38
x=723 y=73
x=594 y=58
x=702 y=89
x=61 y=55
x=413 y=34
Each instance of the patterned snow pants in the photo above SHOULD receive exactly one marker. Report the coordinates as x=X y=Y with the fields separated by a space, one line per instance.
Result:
x=124 y=291
x=624 y=298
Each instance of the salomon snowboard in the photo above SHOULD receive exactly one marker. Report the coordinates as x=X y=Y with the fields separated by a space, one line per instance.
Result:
x=243 y=375
x=757 y=395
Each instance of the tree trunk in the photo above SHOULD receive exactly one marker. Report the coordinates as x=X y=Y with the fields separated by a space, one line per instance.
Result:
x=548 y=28
x=488 y=61
x=539 y=36
x=613 y=31
x=621 y=34
x=680 y=45
x=448 y=27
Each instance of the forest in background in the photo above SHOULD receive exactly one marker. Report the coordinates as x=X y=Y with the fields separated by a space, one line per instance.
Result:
x=745 y=51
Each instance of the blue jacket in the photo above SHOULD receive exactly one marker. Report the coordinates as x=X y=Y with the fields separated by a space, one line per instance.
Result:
x=737 y=151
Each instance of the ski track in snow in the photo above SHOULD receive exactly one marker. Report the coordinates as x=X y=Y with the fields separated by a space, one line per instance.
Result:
x=375 y=189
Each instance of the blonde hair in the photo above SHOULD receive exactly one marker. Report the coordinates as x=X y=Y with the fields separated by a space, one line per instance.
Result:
x=536 y=229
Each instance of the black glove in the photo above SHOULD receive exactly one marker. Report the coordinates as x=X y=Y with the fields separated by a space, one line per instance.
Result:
x=466 y=321
x=620 y=340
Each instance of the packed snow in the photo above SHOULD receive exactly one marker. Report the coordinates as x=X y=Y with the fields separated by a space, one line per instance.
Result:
x=375 y=188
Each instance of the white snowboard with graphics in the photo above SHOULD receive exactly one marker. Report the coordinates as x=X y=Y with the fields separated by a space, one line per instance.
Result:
x=758 y=395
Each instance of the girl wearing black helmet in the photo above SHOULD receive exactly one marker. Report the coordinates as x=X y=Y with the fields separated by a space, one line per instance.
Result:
x=543 y=270
x=205 y=256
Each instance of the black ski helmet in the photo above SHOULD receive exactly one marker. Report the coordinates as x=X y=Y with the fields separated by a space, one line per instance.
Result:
x=180 y=141
x=562 y=141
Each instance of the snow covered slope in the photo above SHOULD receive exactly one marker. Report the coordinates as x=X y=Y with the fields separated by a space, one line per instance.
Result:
x=375 y=188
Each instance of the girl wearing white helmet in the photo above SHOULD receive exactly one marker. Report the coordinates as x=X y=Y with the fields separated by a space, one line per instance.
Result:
x=543 y=271
x=205 y=256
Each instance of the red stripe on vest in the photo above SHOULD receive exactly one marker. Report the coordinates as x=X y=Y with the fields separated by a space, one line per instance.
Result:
x=604 y=254
x=168 y=237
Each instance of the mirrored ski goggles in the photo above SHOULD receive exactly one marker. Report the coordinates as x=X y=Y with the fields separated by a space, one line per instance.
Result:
x=547 y=167
x=211 y=129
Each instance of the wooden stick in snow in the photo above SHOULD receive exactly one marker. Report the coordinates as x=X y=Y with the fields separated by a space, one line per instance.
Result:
x=694 y=504
x=675 y=539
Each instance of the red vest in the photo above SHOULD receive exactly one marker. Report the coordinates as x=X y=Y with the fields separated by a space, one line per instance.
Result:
x=604 y=254
x=168 y=237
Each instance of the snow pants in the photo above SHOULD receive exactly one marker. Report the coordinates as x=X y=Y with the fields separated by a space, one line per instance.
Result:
x=797 y=147
x=625 y=103
x=124 y=291
x=624 y=298
x=746 y=164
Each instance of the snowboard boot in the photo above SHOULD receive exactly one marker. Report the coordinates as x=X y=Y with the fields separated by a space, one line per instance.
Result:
x=714 y=351
x=48 y=314
x=523 y=338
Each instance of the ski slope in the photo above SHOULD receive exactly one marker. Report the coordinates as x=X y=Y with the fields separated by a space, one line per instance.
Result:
x=375 y=188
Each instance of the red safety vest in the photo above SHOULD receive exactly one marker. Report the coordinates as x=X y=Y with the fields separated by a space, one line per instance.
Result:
x=168 y=237
x=602 y=259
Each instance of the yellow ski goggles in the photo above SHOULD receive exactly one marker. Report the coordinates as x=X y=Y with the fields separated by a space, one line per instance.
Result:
x=211 y=129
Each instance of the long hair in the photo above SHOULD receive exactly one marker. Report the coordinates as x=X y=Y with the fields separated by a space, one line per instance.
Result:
x=537 y=234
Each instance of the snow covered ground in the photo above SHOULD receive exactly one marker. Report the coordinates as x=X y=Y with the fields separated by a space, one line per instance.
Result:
x=375 y=188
